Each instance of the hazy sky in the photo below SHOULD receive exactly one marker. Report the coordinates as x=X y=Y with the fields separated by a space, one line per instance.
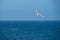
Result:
x=23 y=9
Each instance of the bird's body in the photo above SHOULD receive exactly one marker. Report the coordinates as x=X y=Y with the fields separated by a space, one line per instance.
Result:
x=38 y=14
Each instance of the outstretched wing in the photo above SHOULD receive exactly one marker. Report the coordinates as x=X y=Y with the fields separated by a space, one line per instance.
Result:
x=36 y=10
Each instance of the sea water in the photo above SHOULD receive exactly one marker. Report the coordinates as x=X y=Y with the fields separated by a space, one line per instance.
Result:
x=29 y=30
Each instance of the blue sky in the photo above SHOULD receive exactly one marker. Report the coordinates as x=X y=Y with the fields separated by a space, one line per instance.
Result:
x=23 y=9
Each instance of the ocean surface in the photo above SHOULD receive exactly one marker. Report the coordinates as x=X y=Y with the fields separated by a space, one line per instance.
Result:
x=29 y=30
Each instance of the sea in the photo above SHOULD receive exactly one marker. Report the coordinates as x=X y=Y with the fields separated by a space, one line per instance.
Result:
x=29 y=30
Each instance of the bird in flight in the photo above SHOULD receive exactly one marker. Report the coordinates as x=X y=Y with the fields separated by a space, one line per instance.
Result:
x=39 y=14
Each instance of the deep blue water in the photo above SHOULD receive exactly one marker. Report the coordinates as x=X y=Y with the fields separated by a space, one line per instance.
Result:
x=29 y=30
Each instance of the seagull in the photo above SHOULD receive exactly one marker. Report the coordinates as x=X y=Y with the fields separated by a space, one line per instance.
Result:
x=39 y=14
